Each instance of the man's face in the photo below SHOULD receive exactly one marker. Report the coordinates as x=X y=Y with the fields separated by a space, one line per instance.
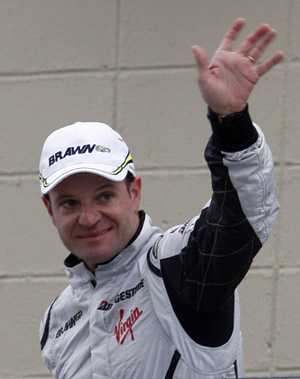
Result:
x=95 y=217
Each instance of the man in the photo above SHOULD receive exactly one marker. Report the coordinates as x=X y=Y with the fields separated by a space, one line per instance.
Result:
x=142 y=303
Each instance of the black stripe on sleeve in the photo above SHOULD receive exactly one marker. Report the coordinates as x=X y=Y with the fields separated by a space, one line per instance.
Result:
x=46 y=329
x=173 y=365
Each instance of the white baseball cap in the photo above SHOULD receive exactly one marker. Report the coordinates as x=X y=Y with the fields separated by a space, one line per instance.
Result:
x=91 y=147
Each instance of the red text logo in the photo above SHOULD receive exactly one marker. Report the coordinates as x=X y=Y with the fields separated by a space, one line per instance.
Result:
x=124 y=327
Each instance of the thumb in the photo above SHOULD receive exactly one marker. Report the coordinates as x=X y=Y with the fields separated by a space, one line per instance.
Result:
x=201 y=59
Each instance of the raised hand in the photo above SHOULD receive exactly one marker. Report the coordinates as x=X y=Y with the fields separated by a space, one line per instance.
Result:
x=226 y=82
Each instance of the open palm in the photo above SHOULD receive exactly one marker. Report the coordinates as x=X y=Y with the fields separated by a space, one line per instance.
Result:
x=227 y=81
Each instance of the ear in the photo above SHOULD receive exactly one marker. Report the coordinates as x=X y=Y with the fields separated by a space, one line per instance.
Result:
x=47 y=203
x=135 y=191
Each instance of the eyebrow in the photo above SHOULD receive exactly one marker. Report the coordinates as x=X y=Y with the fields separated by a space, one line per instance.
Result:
x=104 y=186
x=98 y=189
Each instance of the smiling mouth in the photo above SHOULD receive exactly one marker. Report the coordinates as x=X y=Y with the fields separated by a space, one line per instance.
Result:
x=94 y=234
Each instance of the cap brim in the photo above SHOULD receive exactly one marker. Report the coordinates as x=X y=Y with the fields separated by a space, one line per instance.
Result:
x=108 y=172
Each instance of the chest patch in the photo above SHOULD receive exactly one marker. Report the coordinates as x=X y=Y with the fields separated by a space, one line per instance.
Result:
x=125 y=327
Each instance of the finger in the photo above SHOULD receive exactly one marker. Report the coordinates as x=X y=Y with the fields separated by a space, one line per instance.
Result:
x=230 y=37
x=265 y=66
x=201 y=59
x=254 y=38
x=258 y=49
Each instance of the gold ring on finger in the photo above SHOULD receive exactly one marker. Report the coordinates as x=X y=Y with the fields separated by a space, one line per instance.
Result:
x=253 y=60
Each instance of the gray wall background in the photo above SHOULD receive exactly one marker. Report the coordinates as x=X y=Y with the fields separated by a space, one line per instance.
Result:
x=129 y=63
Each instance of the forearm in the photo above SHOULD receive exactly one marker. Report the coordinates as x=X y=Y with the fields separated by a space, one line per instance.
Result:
x=231 y=230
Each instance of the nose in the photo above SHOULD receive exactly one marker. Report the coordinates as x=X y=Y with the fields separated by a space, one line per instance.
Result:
x=89 y=215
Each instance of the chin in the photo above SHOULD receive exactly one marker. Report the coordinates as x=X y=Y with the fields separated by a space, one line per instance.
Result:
x=95 y=259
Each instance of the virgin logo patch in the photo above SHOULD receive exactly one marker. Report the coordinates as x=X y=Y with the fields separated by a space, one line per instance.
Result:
x=125 y=327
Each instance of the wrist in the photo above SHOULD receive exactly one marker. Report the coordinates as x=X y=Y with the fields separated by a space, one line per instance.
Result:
x=225 y=118
x=236 y=132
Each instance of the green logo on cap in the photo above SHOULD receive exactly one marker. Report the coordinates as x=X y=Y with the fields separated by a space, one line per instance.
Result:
x=102 y=149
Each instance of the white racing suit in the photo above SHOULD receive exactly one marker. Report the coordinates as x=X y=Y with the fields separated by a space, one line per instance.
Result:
x=167 y=305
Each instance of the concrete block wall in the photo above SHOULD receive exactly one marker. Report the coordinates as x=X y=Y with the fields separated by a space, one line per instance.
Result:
x=129 y=63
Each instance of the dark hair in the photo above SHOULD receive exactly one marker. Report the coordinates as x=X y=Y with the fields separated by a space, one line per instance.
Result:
x=128 y=180
x=46 y=196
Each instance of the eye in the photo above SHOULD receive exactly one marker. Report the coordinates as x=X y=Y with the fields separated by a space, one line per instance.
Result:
x=68 y=204
x=105 y=197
